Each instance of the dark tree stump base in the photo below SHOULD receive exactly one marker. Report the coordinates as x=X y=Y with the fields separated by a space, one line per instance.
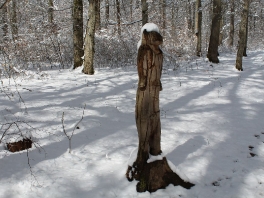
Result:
x=155 y=175
x=20 y=145
x=213 y=59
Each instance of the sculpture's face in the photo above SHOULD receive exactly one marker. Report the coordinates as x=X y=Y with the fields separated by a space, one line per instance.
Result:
x=152 y=38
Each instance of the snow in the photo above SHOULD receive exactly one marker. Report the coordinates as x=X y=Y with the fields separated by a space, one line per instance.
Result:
x=178 y=172
x=153 y=158
x=149 y=27
x=210 y=115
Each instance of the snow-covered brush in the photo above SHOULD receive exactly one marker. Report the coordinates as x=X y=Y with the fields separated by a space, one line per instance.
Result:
x=17 y=135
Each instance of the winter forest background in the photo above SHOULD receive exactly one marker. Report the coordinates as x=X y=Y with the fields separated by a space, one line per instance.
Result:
x=36 y=33
x=83 y=126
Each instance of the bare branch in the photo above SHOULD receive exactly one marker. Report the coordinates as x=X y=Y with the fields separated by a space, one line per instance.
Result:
x=75 y=127
x=4 y=4
x=79 y=120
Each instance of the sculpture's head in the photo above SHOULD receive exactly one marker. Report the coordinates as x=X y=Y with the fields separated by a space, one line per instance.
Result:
x=151 y=38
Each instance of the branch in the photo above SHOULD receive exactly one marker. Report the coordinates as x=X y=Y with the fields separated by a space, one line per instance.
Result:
x=62 y=121
x=79 y=121
x=75 y=127
x=6 y=2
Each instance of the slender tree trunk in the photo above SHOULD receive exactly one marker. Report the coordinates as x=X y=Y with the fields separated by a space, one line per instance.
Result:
x=198 y=27
x=174 y=12
x=98 y=15
x=242 y=35
x=144 y=6
x=212 y=54
x=107 y=12
x=4 y=22
x=232 y=24
x=131 y=9
x=88 y=67
x=221 y=31
x=50 y=11
x=77 y=16
x=163 y=14
x=4 y=4
x=153 y=175
x=118 y=16
x=246 y=39
x=193 y=10
x=13 y=19
x=137 y=4
x=189 y=14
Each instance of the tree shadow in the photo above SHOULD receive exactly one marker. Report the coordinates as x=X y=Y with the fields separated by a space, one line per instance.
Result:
x=181 y=152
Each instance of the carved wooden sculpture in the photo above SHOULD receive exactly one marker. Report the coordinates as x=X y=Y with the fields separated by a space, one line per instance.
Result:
x=155 y=175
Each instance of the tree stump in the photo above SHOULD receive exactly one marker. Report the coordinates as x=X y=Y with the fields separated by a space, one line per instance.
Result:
x=155 y=175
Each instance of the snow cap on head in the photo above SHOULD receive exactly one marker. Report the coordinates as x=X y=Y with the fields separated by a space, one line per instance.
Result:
x=149 y=27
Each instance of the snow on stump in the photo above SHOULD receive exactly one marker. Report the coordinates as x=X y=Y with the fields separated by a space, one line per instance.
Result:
x=19 y=145
x=157 y=174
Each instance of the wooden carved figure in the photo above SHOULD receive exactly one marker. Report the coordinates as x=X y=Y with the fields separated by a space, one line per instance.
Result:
x=151 y=175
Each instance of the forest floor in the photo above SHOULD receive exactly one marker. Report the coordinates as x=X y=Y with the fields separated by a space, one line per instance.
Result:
x=212 y=119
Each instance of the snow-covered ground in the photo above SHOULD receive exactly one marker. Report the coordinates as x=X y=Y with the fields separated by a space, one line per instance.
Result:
x=212 y=119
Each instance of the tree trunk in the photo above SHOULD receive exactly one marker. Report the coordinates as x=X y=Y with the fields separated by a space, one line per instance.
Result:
x=154 y=175
x=77 y=33
x=189 y=14
x=4 y=22
x=242 y=35
x=118 y=16
x=174 y=14
x=193 y=7
x=246 y=38
x=88 y=67
x=13 y=19
x=232 y=24
x=198 y=27
x=144 y=6
x=212 y=54
x=131 y=9
x=163 y=14
x=107 y=12
x=50 y=11
x=221 y=31
x=98 y=15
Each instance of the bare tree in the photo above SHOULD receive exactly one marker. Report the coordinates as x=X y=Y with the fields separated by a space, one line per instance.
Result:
x=198 y=27
x=98 y=15
x=4 y=22
x=163 y=14
x=13 y=19
x=246 y=38
x=232 y=24
x=107 y=13
x=118 y=17
x=212 y=54
x=242 y=35
x=131 y=9
x=50 y=11
x=77 y=15
x=144 y=6
x=88 y=67
x=189 y=14
x=221 y=34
